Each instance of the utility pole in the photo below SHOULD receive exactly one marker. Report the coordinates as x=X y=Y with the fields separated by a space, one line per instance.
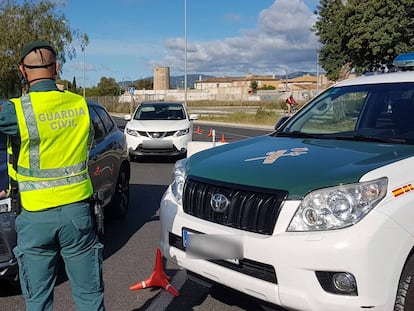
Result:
x=83 y=50
x=185 y=52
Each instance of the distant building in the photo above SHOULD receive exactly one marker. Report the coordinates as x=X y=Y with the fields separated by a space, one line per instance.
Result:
x=233 y=88
x=302 y=88
x=161 y=78
x=222 y=82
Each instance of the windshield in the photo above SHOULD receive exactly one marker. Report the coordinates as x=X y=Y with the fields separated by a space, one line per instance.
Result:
x=376 y=112
x=160 y=112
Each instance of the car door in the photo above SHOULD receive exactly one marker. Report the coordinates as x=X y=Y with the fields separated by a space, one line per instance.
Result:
x=104 y=157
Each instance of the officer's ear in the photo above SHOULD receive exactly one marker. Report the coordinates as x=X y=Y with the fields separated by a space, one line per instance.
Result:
x=23 y=74
x=56 y=69
x=22 y=70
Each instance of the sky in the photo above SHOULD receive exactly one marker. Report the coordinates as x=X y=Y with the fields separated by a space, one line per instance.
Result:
x=225 y=38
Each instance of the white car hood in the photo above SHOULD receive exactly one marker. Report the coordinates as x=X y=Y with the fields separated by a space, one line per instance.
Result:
x=158 y=125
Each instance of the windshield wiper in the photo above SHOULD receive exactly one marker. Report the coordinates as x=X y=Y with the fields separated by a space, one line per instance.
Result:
x=296 y=134
x=359 y=137
x=368 y=138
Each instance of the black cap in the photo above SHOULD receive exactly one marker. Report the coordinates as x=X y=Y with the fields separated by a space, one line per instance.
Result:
x=34 y=46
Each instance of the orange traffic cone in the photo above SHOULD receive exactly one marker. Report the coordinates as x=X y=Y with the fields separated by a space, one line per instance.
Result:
x=199 y=131
x=158 y=278
x=211 y=132
x=222 y=139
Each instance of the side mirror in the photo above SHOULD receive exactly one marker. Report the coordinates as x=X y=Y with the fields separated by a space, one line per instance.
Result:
x=127 y=117
x=193 y=117
x=281 y=121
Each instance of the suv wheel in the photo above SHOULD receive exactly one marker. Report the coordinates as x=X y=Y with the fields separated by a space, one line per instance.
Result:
x=405 y=293
x=119 y=204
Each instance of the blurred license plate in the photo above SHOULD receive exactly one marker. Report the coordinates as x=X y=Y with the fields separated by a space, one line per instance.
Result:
x=214 y=244
x=186 y=233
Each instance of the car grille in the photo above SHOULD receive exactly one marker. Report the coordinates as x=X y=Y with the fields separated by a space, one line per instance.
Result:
x=157 y=134
x=250 y=209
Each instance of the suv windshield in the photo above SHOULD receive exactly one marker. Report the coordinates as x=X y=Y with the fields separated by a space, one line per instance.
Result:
x=160 y=112
x=372 y=112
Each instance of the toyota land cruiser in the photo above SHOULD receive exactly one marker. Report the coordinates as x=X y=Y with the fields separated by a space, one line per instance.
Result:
x=317 y=215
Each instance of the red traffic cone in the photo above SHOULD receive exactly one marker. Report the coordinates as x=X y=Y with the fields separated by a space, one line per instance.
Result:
x=210 y=134
x=222 y=139
x=199 y=131
x=158 y=278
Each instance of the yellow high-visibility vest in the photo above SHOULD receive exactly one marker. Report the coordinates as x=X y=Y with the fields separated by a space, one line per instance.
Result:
x=52 y=163
x=10 y=169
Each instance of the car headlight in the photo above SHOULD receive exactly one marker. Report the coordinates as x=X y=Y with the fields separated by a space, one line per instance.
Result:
x=182 y=132
x=338 y=207
x=131 y=132
x=177 y=185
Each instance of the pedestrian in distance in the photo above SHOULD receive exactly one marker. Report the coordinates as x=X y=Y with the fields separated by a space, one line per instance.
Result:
x=54 y=136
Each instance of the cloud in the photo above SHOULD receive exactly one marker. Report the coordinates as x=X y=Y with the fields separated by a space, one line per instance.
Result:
x=281 y=39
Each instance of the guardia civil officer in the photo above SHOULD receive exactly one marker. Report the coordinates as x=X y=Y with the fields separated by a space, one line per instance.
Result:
x=54 y=186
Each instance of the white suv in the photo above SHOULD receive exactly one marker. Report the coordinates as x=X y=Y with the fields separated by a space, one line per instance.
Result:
x=318 y=215
x=159 y=128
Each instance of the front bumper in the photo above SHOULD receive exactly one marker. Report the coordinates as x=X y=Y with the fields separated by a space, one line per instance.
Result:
x=141 y=146
x=291 y=260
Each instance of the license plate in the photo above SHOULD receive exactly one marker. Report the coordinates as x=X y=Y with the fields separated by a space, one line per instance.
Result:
x=213 y=249
x=186 y=233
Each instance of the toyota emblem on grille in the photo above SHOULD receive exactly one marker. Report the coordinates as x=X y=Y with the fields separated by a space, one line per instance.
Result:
x=219 y=203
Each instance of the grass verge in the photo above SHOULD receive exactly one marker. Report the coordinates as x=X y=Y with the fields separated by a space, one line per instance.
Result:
x=261 y=117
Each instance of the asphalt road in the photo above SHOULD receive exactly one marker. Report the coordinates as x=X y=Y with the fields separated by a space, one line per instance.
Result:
x=130 y=247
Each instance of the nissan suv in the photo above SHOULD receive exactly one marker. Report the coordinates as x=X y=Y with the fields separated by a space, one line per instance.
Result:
x=159 y=129
x=109 y=169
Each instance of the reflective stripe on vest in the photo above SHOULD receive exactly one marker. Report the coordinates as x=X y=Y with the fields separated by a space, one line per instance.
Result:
x=37 y=185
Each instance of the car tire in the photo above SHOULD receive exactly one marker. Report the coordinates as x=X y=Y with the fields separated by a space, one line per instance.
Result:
x=405 y=293
x=120 y=201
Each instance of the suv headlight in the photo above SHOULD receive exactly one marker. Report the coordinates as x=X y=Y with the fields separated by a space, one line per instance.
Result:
x=338 y=207
x=131 y=132
x=182 y=132
x=177 y=185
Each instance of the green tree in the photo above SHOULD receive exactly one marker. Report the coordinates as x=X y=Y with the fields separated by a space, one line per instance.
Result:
x=363 y=36
x=22 y=22
x=108 y=86
x=73 y=86
x=143 y=84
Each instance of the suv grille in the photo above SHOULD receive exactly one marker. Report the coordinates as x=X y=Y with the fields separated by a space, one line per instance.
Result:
x=156 y=134
x=250 y=209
